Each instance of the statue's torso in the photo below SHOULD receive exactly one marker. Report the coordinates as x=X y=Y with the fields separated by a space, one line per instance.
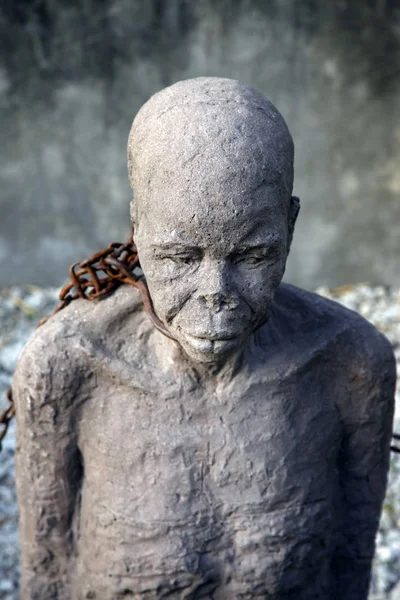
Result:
x=206 y=488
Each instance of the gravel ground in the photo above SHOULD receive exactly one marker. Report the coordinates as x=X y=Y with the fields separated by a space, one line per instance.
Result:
x=20 y=310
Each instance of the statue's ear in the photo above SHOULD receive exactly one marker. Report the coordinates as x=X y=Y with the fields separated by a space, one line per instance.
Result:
x=294 y=209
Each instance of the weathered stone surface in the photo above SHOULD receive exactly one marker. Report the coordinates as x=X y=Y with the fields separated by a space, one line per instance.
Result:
x=245 y=458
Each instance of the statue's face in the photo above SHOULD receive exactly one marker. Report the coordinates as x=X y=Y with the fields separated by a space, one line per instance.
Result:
x=213 y=253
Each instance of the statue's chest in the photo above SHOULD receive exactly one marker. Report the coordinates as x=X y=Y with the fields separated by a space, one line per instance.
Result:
x=262 y=445
x=235 y=485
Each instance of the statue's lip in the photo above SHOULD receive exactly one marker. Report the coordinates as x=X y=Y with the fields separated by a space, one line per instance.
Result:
x=213 y=337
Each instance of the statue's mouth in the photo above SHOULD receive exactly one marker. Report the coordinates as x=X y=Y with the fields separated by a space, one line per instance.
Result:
x=220 y=336
x=214 y=337
x=212 y=344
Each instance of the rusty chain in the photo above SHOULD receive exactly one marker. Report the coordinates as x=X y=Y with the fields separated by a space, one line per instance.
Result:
x=96 y=277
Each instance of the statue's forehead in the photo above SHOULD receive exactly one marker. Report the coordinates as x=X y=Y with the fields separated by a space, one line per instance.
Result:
x=211 y=191
x=212 y=215
x=218 y=234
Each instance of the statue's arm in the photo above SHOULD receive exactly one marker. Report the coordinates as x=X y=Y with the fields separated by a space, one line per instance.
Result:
x=48 y=465
x=366 y=409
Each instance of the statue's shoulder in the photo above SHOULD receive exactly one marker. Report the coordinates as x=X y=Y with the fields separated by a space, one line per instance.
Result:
x=347 y=337
x=94 y=320
x=64 y=347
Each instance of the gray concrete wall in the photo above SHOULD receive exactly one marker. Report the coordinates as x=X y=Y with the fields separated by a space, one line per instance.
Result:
x=74 y=73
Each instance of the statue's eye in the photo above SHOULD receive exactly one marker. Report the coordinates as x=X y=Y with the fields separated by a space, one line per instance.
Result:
x=249 y=259
x=181 y=259
x=177 y=260
x=185 y=259
x=254 y=257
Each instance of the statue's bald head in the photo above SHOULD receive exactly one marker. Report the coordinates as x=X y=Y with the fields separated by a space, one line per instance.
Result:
x=207 y=132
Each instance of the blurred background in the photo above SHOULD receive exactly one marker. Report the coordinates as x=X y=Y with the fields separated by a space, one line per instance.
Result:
x=73 y=74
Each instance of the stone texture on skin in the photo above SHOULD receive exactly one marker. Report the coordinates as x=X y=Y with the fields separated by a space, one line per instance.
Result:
x=145 y=468
x=203 y=123
x=214 y=488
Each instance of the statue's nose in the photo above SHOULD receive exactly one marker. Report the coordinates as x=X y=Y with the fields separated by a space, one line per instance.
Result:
x=219 y=301
x=215 y=290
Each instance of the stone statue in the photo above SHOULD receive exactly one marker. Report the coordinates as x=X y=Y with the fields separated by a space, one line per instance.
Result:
x=245 y=456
